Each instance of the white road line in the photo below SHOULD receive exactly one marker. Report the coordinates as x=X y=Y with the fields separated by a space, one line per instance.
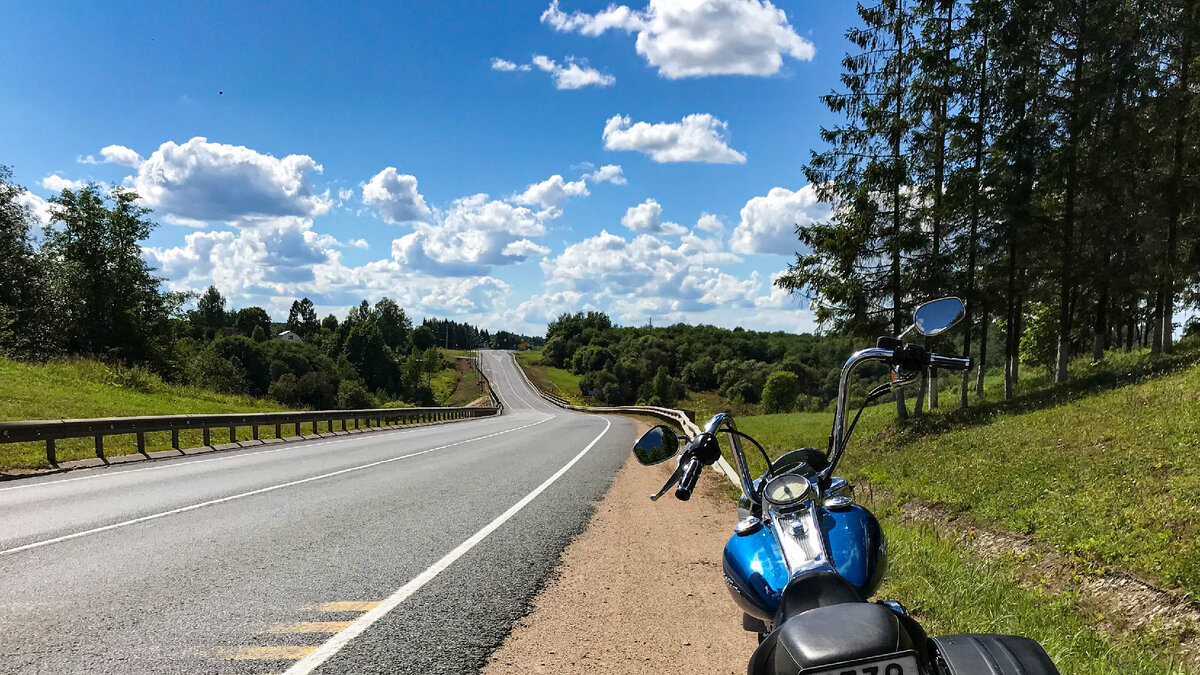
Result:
x=288 y=445
x=334 y=644
x=251 y=493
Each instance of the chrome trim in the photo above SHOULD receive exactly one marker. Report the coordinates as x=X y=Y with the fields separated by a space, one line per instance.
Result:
x=723 y=420
x=838 y=502
x=838 y=437
x=747 y=526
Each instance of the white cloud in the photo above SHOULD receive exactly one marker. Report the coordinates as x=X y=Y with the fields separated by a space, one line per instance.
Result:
x=114 y=154
x=476 y=233
x=695 y=38
x=359 y=243
x=646 y=218
x=508 y=66
x=572 y=75
x=38 y=207
x=609 y=173
x=769 y=223
x=648 y=277
x=695 y=138
x=710 y=223
x=57 y=183
x=394 y=195
x=551 y=194
x=203 y=181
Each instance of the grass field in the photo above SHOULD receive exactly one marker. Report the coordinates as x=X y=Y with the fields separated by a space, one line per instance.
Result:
x=549 y=379
x=458 y=384
x=80 y=389
x=75 y=389
x=1103 y=469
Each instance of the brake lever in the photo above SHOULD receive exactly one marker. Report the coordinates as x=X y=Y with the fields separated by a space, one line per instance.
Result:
x=670 y=482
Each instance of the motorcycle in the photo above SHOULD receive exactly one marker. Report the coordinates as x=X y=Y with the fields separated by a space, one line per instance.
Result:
x=805 y=559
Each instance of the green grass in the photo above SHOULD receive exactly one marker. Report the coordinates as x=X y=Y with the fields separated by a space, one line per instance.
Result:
x=457 y=384
x=81 y=389
x=1104 y=468
x=549 y=379
x=951 y=590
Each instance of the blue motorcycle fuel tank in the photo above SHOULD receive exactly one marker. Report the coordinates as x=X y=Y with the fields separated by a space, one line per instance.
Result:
x=756 y=572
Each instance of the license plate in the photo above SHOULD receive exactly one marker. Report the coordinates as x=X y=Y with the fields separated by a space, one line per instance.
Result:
x=894 y=664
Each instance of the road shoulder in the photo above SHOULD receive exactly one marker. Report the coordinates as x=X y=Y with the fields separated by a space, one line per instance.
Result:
x=639 y=590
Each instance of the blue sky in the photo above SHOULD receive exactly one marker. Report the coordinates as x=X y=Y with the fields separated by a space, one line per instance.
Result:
x=343 y=151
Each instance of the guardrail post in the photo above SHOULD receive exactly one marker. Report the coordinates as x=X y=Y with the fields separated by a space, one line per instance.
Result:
x=343 y=424
x=316 y=427
x=233 y=434
x=356 y=423
x=100 y=448
x=254 y=431
x=174 y=439
x=141 y=443
x=51 y=456
x=297 y=428
x=207 y=439
x=278 y=431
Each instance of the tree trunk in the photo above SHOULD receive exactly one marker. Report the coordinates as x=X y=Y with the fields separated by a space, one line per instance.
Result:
x=1066 y=278
x=1167 y=330
x=983 y=338
x=1155 y=327
x=897 y=291
x=972 y=243
x=922 y=386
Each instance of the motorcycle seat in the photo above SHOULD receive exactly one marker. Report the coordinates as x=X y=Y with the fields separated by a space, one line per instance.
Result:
x=833 y=634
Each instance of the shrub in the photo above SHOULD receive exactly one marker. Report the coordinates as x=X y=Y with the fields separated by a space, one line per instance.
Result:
x=779 y=393
x=210 y=371
x=286 y=390
x=351 y=396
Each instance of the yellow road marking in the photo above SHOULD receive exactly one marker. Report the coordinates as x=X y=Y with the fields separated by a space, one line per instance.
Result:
x=343 y=607
x=311 y=627
x=289 y=652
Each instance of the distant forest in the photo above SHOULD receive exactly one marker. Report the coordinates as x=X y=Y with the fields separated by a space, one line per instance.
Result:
x=85 y=290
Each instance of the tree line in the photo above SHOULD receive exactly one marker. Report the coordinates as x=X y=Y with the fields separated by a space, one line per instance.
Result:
x=80 y=286
x=625 y=365
x=1038 y=159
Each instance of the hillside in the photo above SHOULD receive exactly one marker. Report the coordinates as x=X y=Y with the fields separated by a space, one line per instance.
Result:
x=80 y=388
x=1102 y=472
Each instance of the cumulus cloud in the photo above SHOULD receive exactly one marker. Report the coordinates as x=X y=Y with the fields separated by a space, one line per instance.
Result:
x=695 y=38
x=695 y=138
x=57 y=183
x=474 y=234
x=572 y=75
x=609 y=173
x=551 y=194
x=394 y=195
x=646 y=218
x=647 y=276
x=710 y=223
x=359 y=243
x=508 y=66
x=768 y=224
x=38 y=207
x=203 y=181
x=114 y=154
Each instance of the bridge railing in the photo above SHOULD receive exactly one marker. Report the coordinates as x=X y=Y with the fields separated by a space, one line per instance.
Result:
x=683 y=418
x=49 y=431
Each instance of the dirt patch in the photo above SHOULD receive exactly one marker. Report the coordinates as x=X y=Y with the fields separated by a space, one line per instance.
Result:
x=640 y=591
x=1128 y=604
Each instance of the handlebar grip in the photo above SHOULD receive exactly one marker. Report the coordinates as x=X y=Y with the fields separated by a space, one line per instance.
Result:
x=691 y=472
x=950 y=362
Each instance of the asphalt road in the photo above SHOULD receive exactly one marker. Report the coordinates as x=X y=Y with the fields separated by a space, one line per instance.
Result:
x=407 y=551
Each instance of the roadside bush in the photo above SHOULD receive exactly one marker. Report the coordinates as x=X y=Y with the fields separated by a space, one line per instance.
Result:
x=210 y=371
x=780 y=391
x=134 y=379
x=286 y=390
x=318 y=390
x=351 y=395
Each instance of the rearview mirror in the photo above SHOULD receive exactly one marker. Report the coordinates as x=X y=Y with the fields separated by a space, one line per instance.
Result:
x=656 y=446
x=938 y=316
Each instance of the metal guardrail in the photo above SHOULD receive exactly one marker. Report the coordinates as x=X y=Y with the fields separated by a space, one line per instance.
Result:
x=50 y=431
x=680 y=417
